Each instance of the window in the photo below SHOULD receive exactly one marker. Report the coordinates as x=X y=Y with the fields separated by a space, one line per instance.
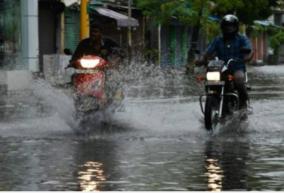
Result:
x=10 y=34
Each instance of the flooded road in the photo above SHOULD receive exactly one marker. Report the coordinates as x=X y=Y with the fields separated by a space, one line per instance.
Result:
x=157 y=143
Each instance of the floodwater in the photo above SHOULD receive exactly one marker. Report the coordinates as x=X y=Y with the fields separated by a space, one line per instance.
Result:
x=157 y=142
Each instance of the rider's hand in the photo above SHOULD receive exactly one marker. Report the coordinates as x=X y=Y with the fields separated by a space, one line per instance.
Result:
x=104 y=52
x=239 y=60
x=70 y=65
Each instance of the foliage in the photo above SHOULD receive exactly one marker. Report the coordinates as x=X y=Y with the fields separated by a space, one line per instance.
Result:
x=195 y=13
x=255 y=10
x=277 y=40
x=257 y=29
x=188 y=11
x=246 y=10
x=213 y=30
x=276 y=34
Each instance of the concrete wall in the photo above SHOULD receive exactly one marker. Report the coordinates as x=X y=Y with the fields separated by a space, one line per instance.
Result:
x=54 y=69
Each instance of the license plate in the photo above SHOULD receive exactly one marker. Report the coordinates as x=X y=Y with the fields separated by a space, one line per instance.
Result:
x=86 y=71
x=214 y=83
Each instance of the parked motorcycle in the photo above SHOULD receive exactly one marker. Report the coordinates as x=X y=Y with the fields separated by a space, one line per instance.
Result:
x=94 y=89
x=221 y=97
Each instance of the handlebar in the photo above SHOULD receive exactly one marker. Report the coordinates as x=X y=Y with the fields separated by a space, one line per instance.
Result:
x=236 y=60
x=68 y=66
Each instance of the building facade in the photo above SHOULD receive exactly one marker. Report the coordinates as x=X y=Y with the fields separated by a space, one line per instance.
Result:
x=18 y=43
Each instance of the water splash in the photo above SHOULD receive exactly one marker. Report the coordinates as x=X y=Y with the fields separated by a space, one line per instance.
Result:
x=50 y=111
x=166 y=113
x=61 y=102
x=144 y=80
x=159 y=100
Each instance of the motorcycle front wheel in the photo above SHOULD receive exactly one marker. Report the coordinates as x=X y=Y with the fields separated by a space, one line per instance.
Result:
x=211 y=114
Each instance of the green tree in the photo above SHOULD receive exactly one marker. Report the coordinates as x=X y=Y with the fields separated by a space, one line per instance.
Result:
x=246 y=10
x=195 y=12
x=189 y=12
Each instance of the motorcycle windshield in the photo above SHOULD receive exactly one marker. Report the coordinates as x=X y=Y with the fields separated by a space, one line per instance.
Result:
x=215 y=65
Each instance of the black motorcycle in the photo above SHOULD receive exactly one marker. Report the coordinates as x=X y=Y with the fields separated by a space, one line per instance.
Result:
x=221 y=97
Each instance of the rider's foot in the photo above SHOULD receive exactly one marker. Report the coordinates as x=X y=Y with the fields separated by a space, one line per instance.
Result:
x=243 y=114
x=243 y=105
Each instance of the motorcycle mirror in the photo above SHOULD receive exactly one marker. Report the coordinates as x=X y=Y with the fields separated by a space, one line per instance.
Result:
x=67 y=51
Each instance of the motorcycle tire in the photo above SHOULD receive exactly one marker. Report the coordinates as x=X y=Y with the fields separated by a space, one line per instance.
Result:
x=211 y=113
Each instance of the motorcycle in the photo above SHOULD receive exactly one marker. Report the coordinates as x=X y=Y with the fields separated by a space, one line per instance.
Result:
x=93 y=90
x=221 y=97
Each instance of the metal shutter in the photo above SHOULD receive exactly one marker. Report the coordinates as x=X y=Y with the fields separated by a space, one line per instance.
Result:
x=72 y=29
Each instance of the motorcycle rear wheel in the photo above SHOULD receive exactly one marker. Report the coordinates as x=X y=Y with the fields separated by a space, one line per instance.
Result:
x=211 y=114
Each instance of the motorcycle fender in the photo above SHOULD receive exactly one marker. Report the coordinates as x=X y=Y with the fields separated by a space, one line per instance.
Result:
x=90 y=84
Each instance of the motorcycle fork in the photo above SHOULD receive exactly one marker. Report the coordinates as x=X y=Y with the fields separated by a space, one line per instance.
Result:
x=220 y=111
x=221 y=102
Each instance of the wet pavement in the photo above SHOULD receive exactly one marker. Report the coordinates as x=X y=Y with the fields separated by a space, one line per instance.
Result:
x=157 y=143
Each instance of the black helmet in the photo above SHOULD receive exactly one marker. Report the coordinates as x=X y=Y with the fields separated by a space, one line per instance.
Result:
x=95 y=25
x=230 y=25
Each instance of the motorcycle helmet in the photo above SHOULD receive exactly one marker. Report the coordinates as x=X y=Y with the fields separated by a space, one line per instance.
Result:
x=229 y=25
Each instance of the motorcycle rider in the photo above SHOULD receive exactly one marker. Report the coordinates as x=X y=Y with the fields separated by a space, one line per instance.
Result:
x=96 y=44
x=233 y=45
x=106 y=48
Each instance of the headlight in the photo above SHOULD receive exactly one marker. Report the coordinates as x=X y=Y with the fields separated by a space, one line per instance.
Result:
x=89 y=63
x=213 y=76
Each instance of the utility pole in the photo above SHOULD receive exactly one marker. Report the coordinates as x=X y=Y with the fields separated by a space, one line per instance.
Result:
x=129 y=31
x=84 y=20
x=159 y=43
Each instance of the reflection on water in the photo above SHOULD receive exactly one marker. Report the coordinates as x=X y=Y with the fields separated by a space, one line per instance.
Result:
x=165 y=149
x=91 y=176
x=214 y=174
x=225 y=162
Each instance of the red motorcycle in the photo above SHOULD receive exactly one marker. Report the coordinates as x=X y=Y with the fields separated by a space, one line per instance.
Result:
x=92 y=93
